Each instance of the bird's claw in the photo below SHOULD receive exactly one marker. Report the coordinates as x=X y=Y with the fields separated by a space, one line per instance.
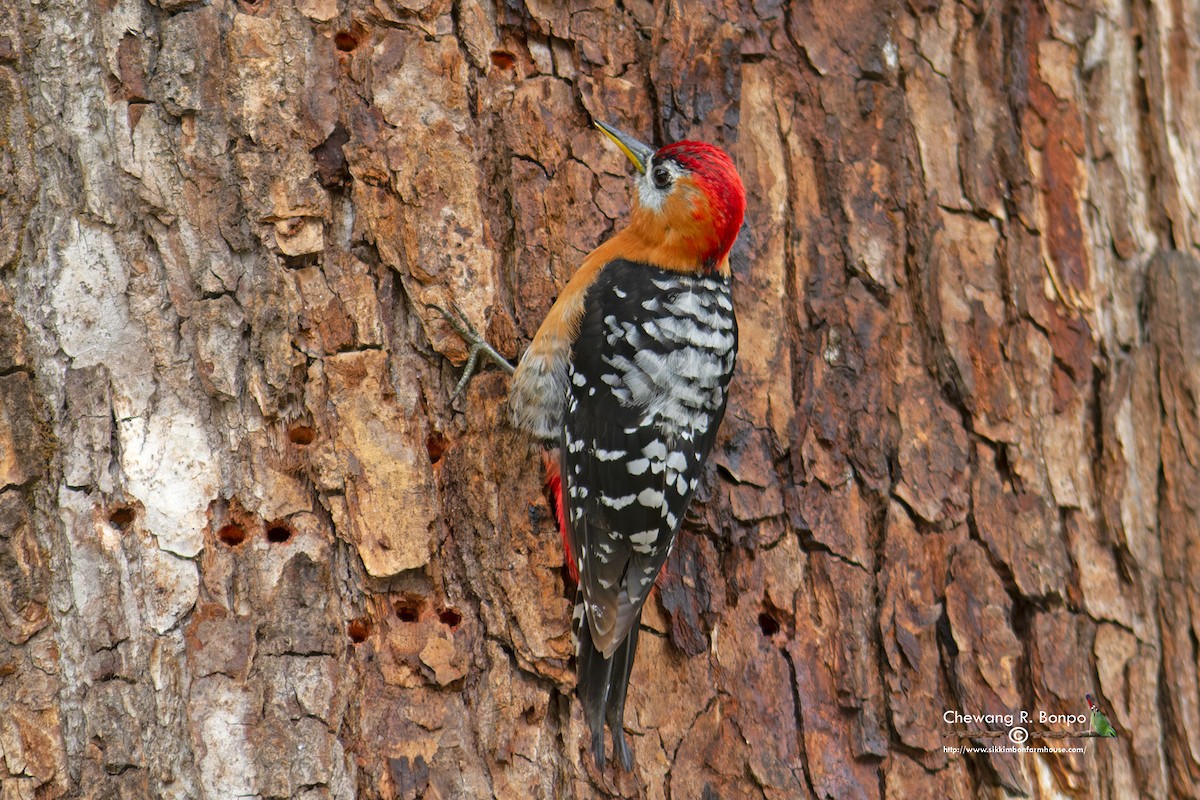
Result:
x=477 y=346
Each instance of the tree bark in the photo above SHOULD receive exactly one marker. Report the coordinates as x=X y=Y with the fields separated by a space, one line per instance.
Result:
x=249 y=547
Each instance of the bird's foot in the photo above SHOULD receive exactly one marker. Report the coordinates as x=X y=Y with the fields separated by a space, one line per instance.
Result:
x=477 y=346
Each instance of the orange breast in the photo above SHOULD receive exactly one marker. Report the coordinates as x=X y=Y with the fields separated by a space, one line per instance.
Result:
x=680 y=236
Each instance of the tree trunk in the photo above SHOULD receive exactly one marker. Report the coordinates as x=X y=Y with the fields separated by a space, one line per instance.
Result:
x=249 y=547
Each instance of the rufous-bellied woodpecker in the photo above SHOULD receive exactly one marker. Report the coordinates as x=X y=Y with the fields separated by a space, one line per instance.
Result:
x=627 y=378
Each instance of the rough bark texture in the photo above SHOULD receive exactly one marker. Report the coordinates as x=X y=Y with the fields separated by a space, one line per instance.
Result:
x=249 y=548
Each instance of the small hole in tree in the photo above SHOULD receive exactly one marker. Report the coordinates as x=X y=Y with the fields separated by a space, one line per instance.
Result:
x=278 y=533
x=232 y=534
x=768 y=624
x=345 y=41
x=503 y=60
x=121 y=518
x=408 y=608
x=301 y=434
x=450 y=617
x=435 y=444
x=358 y=630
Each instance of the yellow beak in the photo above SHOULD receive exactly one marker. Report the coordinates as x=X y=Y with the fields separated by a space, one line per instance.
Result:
x=637 y=152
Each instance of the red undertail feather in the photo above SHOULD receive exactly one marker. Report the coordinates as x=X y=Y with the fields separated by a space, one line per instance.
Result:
x=554 y=484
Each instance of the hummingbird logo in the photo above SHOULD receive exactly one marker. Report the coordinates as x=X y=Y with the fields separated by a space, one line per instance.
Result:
x=1100 y=723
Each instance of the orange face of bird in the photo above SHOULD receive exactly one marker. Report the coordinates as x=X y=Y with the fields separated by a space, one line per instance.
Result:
x=689 y=203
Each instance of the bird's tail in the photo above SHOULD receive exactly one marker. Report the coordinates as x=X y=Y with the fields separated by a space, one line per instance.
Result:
x=602 y=684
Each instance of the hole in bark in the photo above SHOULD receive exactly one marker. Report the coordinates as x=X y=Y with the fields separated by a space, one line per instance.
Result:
x=345 y=41
x=436 y=445
x=332 y=170
x=503 y=60
x=450 y=617
x=232 y=534
x=278 y=533
x=121 y=518
x=302 y=261
x=358 y=629
x=768 y=624
x=301 y=434
x=531 y=715
x=408 y=608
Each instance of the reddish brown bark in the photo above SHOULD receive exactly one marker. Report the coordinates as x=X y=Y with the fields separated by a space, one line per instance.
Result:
x=248 y=546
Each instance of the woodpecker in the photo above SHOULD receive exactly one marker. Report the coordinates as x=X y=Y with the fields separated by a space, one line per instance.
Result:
x=627 y=379
x=1100 y=723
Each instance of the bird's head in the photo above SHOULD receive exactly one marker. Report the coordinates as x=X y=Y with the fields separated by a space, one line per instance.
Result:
x=689 y=203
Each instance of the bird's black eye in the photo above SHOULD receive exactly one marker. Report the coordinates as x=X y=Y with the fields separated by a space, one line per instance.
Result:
x=661 y=177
